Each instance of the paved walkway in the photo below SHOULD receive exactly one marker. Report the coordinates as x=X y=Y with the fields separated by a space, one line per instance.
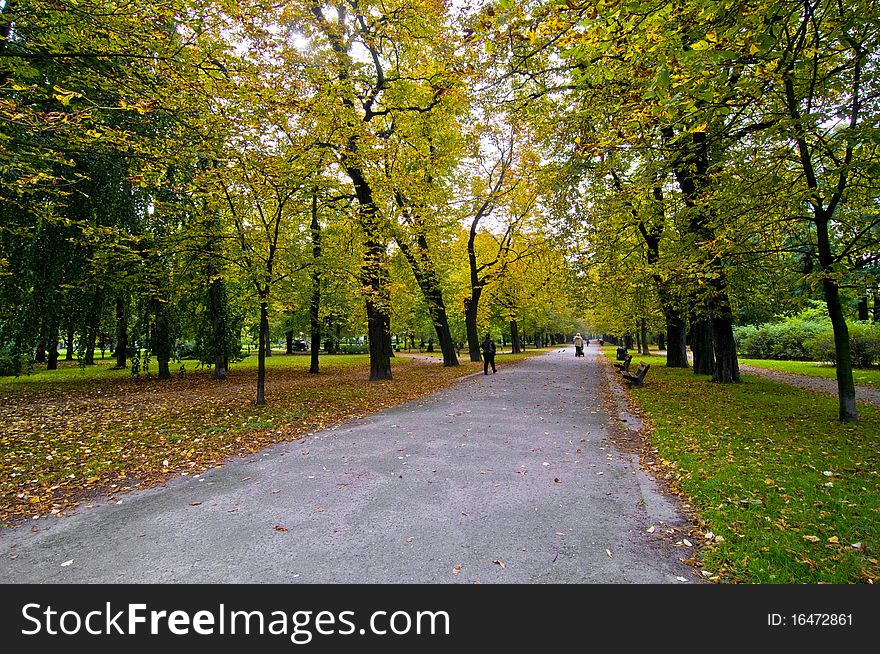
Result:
x=500 y=478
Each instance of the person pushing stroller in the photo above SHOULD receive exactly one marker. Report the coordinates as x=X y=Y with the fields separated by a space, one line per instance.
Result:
x=578 y=345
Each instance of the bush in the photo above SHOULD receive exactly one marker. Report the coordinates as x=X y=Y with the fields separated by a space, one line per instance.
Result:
x=821 y=348
x=785 y=340
x=864 y=344
x=354 y=348
x=11 y=361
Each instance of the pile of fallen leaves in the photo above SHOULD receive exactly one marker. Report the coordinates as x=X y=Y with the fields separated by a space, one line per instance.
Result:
x=59 y=446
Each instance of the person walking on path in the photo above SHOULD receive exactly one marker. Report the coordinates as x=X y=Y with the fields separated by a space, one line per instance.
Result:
x=578 y=345
x=488 y=347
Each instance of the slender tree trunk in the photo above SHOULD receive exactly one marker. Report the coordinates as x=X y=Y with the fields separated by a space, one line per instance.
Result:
x=161 y=339
x=661 y=342
x=68 y=338
x=40 y=356
x=863 y=308
x=876 y=308
x=218 y=307
x=628 y=341
x=846 y=390
x=52 y=360
x=426 y=277
x=702 y=345
x=288 y=337
x=515 y=347
x=261 y=353
x=645 y=339
x=121 y=334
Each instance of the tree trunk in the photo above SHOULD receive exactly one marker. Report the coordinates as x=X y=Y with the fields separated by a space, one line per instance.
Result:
x=645 y=339
x=676 y=348
x=68 y=338
x=52 y=360
x=638 y=342
x=161 y=339
x=876 y=308
x=863 y=308
x=261 y=353
x=40 y=356
x=661 y=343
x=515 y=346
x=470 y=320
x=628 y=341
x=217 y=306
x=372 y=277
x=288 y=337
x=726 y=364
x=846 y=390
x=121 y=334
x=315 y=300
x=702 y=345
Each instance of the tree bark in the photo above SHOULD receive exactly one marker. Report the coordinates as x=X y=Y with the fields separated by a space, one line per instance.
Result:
x=702 y=345
x=315 y=300
x=470 y=320
x=121 y=334
x=645 y=339
x=52 y=360
x=68 y=338
x=726 y=364
x=261 y=353
x=876 y=308
x=372 y=277
x=217 y=306
x=863 y=308
x=288 y=337
x=161 y=339
x=515 y=347
x=676 y=346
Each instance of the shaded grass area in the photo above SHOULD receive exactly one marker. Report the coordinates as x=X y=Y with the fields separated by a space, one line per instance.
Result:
x=769 y=469
x=73 y=433
x=869 y=377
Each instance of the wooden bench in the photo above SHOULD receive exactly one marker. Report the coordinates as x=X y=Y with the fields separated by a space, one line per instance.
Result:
x=639 y=376
x=624 y=367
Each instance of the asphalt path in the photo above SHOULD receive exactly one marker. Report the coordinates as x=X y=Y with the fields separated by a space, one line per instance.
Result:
x=504 y=478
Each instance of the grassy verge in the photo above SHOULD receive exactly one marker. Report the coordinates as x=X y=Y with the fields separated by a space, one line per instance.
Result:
x=769 y=469
x=813 y=369
x=74 y=433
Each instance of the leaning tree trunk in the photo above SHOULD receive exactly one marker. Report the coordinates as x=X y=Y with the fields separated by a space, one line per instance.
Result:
x=702 y=345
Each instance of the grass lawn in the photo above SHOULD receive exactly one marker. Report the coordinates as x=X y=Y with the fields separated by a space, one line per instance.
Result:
x=869 y=377
x=769 y=469
x=76 y=431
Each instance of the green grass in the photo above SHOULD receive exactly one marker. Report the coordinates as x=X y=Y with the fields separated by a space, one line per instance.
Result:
x=869 y=377
x=770 y=469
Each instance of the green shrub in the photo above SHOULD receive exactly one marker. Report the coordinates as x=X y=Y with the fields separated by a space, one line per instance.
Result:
x=864 y=344
x=784 y=340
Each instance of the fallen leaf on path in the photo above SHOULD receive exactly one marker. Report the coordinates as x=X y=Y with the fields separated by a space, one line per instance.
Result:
x=280 y=528
x=66 y=563
x=608 y=552
x=499 y=562
x=319 y=509
x=687 y=542
x=556 y=479
x=651 y=529
x=456 y=569
x=194 y=503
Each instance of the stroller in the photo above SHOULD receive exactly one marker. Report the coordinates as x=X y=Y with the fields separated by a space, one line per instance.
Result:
x=579 y=350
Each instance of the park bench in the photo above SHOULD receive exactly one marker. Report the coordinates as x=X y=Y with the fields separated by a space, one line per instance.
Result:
x=624 y=367
x=639 y=376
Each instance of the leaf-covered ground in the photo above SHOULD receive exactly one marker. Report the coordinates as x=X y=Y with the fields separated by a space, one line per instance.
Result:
x=793 y=494
x=71 y=434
